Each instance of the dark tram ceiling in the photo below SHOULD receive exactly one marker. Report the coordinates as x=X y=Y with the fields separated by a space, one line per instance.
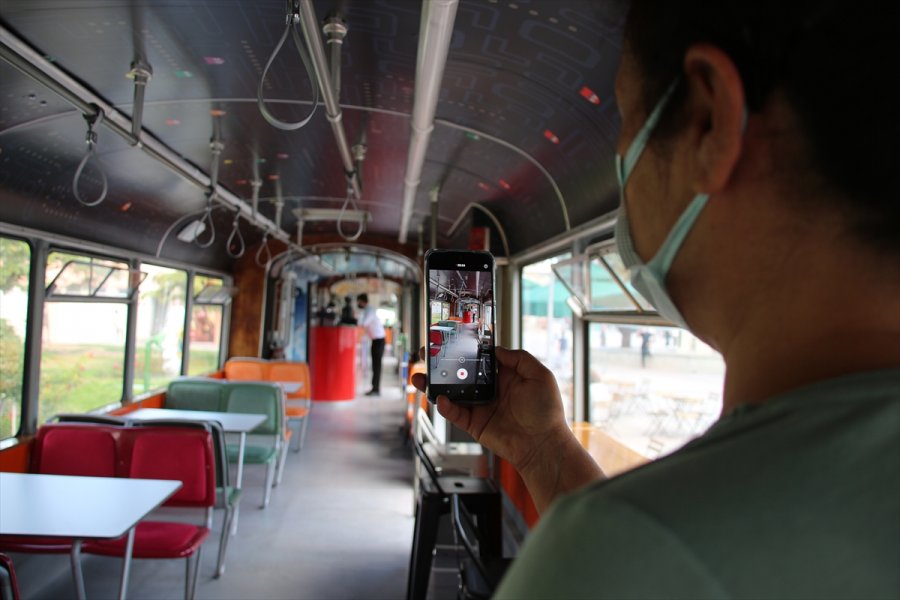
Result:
x=526 y=121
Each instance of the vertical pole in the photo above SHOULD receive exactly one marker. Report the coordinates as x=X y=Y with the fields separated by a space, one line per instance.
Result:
x=188 y=318
x=130 y=337
x=434 y=215
x=31 y=377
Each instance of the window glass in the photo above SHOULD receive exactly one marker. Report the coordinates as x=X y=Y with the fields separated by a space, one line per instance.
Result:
x=160 y=328
x=82 y=356
x=15 y=257
x=547 y=325
x=74 y=275
x=205 y=338
x=652 y=388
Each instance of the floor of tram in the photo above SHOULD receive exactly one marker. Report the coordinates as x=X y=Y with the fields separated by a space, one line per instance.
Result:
x=339 y=526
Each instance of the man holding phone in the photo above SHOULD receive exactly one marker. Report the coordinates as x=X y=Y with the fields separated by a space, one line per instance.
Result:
x=745 y=197
x=374 y=331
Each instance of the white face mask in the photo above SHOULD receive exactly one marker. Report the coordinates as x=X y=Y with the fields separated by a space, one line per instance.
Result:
x=650 y=278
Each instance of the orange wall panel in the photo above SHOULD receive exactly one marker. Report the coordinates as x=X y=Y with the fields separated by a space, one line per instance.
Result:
x=15 y=459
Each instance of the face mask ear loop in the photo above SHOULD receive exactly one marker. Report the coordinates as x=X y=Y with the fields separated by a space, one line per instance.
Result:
x=292 y=19
x=91 y=140
x=640 y=140
x=236 y=233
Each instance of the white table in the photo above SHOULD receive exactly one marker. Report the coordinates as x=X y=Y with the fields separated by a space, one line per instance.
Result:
x=240 y=423
x=79 y=508
x=446 y=331
x=290 y=387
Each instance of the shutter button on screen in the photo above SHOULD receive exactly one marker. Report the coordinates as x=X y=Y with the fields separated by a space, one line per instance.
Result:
x=462 y=374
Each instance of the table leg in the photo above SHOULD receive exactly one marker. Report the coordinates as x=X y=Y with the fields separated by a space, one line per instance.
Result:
x=76 y=570
x=126 y=564
x=240 y=480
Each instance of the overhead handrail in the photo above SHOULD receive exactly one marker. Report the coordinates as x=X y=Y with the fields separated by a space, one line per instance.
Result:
x=329 y=98
x=216 y=147
x=207 y=223
x=490 y=215
x=340 y=221
x=141 y=72
x=92 y=119
x=19 y=54
x=264 y=246
x=256 y=184
x=292 y=19
x=236 y=232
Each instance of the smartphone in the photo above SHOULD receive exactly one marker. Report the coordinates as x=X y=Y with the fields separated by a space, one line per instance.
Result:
x=461 y=326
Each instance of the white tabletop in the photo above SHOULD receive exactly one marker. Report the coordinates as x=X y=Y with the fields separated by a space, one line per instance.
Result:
x=77 y=507
x=441 y=328
x=290 y=387
x=231 y=422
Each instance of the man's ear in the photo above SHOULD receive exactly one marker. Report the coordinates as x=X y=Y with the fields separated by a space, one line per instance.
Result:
x=716 y=114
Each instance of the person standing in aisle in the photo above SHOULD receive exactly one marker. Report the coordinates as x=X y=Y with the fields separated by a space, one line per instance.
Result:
x=375 y=331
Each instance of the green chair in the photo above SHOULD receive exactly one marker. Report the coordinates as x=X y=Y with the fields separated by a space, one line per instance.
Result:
x=266 y=444
x=195 y=394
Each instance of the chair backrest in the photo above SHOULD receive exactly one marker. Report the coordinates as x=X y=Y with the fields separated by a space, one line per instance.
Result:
x=86 y=418
x=215 y=429
x=158 y=452
x=9 y=589
x=262 y=398
x=97 y=450
x=245 y=369
x=195 y=394
x=294 y=371
x=435 y=341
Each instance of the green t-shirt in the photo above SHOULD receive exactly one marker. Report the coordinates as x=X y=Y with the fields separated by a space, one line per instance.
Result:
x=796 y=498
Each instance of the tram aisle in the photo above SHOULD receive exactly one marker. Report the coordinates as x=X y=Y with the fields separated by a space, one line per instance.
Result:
x=339 y=525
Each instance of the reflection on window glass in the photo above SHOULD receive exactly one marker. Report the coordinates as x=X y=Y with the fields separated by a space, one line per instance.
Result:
x=15 y=256
x=547 y=325
x=205 y=337
x=160 y=328
x=82 y=356
x=74 y=275
x=210 y=290
x=652 y=388
x=614 y=262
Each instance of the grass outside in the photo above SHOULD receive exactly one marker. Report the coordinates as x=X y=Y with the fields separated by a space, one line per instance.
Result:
x=84 y=378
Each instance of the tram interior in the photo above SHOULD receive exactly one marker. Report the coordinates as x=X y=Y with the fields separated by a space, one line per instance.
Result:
x=460 y=338
x=185 y=183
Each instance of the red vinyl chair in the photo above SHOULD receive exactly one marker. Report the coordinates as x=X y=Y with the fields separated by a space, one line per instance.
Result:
x=52 y=455
x=435 y=346
x=170 y=453
x=9 y=590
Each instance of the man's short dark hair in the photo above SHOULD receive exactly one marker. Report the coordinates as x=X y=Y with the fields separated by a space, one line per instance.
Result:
x=363 y=298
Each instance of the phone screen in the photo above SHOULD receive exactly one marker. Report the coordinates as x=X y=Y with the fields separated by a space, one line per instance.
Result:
x=461 y=326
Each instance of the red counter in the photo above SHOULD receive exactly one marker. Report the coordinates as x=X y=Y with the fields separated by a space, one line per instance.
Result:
x=332 y=362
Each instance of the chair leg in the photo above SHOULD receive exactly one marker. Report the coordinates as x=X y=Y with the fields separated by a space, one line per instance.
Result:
x=270 y=476
x=303 y=430
x=295 y=441
x=223 y=541
x=195 y=574
x=282 y=459
x=430 y=508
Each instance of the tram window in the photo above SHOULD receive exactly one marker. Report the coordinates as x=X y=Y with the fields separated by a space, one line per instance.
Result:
x=83 y=343
x=652 y=388
x=206 y=325
x=15 y=257
x=160 y=328
x=547 y=325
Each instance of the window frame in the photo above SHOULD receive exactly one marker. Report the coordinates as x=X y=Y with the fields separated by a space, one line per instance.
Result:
x=24 y=412
x=41 y=245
